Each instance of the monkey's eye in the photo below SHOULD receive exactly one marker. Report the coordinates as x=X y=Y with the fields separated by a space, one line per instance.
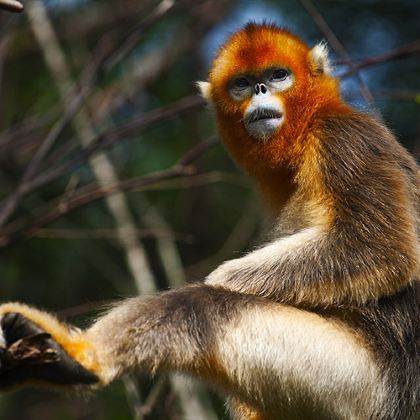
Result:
x=241 y=83
x=279 y=75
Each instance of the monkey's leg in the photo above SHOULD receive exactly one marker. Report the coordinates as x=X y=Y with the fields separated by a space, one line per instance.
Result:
x=278 y=359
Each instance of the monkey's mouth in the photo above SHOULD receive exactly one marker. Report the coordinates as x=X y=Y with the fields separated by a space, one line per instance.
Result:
x=263 y=122
x=263 y=114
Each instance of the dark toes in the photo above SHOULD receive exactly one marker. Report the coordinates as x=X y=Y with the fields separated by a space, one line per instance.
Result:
x=16 y=326
x=32 y=354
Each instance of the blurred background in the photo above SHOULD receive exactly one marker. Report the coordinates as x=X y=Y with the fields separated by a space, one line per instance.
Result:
x=112 y=179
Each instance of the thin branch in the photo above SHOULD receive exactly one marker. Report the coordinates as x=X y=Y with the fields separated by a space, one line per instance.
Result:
x=101 y=142
x=130 y=40
x=336 y=45
x=405 y=51
x=9 y=205
x=11 y=6
x=14 y=137
x=154 y=394
x=102 y=166
x=169 y=179
x=132 y=392
x=237 y=239
x=111 y=234
x=166 y=246
x=91 y=192
x=116 y=134
x=103 y=57
x=403 y=95
x=4 y=47
x=18 y=135
x=17 y=230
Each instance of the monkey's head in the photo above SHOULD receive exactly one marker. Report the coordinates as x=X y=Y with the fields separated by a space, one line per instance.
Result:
x=266 y=85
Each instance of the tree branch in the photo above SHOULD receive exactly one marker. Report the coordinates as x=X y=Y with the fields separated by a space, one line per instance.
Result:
x=396 y=54
x=11 y=6
x=336 y=45
x=91 y=192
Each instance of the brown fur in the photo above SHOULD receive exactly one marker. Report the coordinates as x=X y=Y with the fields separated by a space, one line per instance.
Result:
x=321 y=322
x=332 y=167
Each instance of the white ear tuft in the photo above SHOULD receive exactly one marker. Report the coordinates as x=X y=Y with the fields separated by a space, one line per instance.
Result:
x=319 y=59
x=204 y=88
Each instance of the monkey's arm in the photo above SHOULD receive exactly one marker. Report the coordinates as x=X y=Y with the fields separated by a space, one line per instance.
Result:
x=256 y=350
x=361 y=243
x=176 y=330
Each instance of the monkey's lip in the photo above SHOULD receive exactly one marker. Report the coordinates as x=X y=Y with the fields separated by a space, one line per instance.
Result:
x=263 y=114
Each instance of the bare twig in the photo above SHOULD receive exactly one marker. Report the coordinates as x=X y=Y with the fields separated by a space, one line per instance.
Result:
x=92 y=192
x=4 y=47
x=154 y=394
x=237 y=239
x=112 y=234
x=105 y=173
x=105 y=58
x=155 y=63
x=336 y=45
x=101 y=142
x=398 y=95
x=17 y=230
x=398 y=53
x=10 y=204
x=110 y=137
x=130 y=40
x=101 y=165
x=15 y=136
x=133 y=396
x=11 y=6
x=20 y=134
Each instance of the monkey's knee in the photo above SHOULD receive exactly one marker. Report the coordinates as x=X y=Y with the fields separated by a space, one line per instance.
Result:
x=36 y=347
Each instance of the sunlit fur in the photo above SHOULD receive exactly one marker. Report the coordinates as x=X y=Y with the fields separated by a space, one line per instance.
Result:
x=322 y=322
x=345 y=196
x=253 y=50
x=288 y=168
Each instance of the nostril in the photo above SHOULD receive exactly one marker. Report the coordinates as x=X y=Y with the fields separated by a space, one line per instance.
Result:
x=263 y=88
x=257 y=89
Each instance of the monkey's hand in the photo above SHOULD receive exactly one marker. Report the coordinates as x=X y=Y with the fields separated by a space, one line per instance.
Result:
x=36 y=348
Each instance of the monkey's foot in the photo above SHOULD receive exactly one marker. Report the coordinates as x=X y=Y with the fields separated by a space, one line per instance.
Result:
x=36 y=348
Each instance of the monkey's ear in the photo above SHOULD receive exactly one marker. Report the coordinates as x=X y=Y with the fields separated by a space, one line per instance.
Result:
x=205 y=88
x=319 y=60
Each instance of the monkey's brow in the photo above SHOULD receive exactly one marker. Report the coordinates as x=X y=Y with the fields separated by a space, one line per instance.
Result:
x=257 y=72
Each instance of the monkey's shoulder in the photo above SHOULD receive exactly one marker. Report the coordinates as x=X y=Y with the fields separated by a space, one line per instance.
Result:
x=361 y=138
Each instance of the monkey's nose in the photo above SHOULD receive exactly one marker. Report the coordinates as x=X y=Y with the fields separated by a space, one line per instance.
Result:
x=260 y=88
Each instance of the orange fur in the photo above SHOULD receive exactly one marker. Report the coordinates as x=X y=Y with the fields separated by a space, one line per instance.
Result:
x=272 y=163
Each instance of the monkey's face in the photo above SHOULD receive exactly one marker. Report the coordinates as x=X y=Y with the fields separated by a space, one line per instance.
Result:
x=264 y=112
x=265 y=85
x=256 y=79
